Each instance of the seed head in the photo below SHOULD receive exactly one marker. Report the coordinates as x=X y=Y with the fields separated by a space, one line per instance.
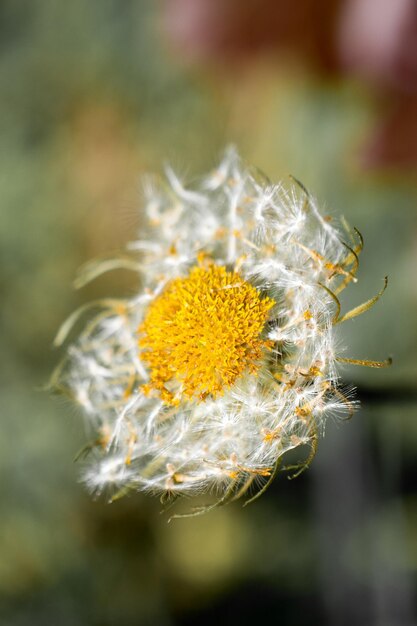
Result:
x=226 y=358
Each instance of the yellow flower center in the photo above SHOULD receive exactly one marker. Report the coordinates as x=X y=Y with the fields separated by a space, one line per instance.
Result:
x=202 y=333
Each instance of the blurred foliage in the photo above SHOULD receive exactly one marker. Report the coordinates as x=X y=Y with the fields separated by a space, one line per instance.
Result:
x=92 y=99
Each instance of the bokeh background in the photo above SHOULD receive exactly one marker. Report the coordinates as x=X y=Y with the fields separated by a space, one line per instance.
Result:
x=93 y=95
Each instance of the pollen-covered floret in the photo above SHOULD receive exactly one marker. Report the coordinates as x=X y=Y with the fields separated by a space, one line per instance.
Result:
x=226 y=359
x=202 y=333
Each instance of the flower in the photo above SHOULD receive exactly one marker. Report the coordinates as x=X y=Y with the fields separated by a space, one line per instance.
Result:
x=227 y=357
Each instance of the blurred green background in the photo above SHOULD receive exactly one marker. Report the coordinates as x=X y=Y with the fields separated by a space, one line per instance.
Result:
x=93 y=95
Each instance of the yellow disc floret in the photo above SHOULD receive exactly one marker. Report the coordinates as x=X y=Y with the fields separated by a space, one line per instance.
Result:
x=202 y=333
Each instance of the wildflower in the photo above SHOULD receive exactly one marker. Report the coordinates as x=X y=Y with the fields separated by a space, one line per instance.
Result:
x=226 y=359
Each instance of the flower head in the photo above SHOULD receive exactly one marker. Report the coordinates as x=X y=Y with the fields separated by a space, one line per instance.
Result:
x=226 y=359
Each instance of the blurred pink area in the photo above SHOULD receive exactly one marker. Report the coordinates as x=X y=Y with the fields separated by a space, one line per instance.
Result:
x=215 y=30
x=378 y=41
x=374 y=40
